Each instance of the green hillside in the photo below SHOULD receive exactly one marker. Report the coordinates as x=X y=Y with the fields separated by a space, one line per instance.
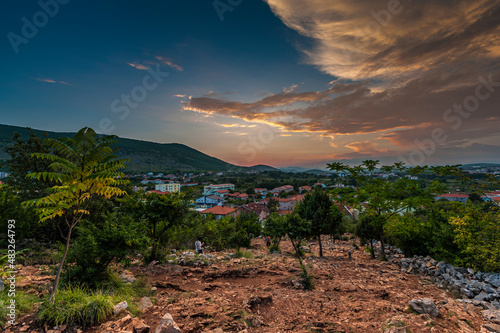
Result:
x=144 y=155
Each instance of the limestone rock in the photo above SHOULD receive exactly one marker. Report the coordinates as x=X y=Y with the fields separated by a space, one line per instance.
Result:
x=492 y=315
x=145 y=304
x=424 y=306
x=120 y=307
x=490 y=328
x=167 y=325
x=127 y=277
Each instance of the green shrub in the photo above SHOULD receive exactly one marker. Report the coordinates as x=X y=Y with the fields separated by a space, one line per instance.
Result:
x=307 y=278
x=243 y=254
x=76 y=306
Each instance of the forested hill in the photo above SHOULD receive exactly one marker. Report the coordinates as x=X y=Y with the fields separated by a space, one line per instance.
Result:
x=144 y=155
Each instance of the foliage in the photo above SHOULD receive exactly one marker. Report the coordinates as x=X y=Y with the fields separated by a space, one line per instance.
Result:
x=274 y=227
x=325 y=217
x=478 y=237
x=98 y=244
x=23 y=163
x=230 y=232
x=160 y=213
x=24 y=303
x=366 y=230
x=85 y=167
x=76 y=306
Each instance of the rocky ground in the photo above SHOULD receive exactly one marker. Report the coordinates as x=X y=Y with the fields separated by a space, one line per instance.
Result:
x=264 y=294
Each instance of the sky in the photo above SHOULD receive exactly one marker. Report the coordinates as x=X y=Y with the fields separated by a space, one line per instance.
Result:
x=275 y=82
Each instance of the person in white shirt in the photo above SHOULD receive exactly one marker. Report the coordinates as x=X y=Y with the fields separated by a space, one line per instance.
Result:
x=198 y=244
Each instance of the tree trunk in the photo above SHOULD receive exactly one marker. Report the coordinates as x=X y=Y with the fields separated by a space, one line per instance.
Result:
x=372 y=252
x=59 y=270
x=320 y=246
x=384 y=258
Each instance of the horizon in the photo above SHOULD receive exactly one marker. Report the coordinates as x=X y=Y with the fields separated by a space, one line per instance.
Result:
x=265 y=82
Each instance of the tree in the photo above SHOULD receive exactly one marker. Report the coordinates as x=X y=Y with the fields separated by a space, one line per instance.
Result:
x=274 y=227
x=317 y=208
x=86 y=167
x=297 y=229
x=366 y=231
x=160 y=213
x=385 y=198
x=22 y=163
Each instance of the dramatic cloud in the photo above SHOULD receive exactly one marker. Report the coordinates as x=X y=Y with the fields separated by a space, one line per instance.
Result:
x=137 y=66
x=372 y=38
x=406 y=74
x=169 y=62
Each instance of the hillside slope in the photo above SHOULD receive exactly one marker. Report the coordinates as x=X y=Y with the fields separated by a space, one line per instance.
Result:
x=144 y=155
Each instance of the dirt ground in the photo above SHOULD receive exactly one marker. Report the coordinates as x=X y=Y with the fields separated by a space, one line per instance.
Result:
x=260 y=295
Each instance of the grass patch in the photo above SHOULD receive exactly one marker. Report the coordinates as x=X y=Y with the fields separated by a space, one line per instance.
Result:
x=76 y=306
x=243 y=254
x=24 y=303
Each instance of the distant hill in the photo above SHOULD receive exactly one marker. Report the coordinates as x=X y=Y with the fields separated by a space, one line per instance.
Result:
x=479 y=165
x=316 y=171
x=261 y=167
x=144 y=156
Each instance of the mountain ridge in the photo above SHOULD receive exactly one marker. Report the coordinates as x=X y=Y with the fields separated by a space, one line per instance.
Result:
x=144 y=155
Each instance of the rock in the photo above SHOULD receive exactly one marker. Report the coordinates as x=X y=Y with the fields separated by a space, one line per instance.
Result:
x=490 y=328
x=140 y=326
x=145 y=303
x=493 y=279
x=256 y=301
x=167 y=325
x=483 y=296
x=492 y=315
x=127 y=277
x=394 y=329
x=120 y=307
x=2 y=285
x=305 y=249
x=424 y=305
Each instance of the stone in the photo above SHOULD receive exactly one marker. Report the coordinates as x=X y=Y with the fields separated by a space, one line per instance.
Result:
x=424 y=306
x=2 y=284
x=483 y=296
x=492 y=315
x=493 y=279
x=145 y=304
x=140 y=326
x=127 y=277
x=305 y=249
x=122 y=306
x=167 y=325
x=490 y=328
x=394 y=329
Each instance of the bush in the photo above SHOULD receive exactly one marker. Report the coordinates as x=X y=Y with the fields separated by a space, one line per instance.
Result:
x=307 y=278
x=243 y=254
x=76 y=306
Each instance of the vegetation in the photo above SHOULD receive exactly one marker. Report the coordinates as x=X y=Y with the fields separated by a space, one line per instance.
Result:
x=86 y=167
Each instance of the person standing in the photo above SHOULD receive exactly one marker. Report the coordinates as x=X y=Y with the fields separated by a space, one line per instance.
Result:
x=198 y=244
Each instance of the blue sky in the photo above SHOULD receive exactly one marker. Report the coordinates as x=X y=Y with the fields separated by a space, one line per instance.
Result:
x=279 y=82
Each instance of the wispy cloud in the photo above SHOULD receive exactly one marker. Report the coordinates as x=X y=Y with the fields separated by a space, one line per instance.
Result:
x=49 y=80
x=137 y=66
x=169 y=62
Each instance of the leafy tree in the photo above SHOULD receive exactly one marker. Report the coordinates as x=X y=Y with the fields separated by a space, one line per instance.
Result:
x=384 y=198
x=22 y=162
x=274 y=227
x=478 y=237
x=160 y=213
x=85 y=167
x=297 y=229
x=98 y=244
x=366 y=230
x=317 y=208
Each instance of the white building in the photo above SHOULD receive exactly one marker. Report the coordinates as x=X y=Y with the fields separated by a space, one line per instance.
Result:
x=211 y=189
x=168 y=187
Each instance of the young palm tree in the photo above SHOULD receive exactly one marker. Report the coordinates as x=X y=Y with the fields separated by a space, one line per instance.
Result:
x=85 y=166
